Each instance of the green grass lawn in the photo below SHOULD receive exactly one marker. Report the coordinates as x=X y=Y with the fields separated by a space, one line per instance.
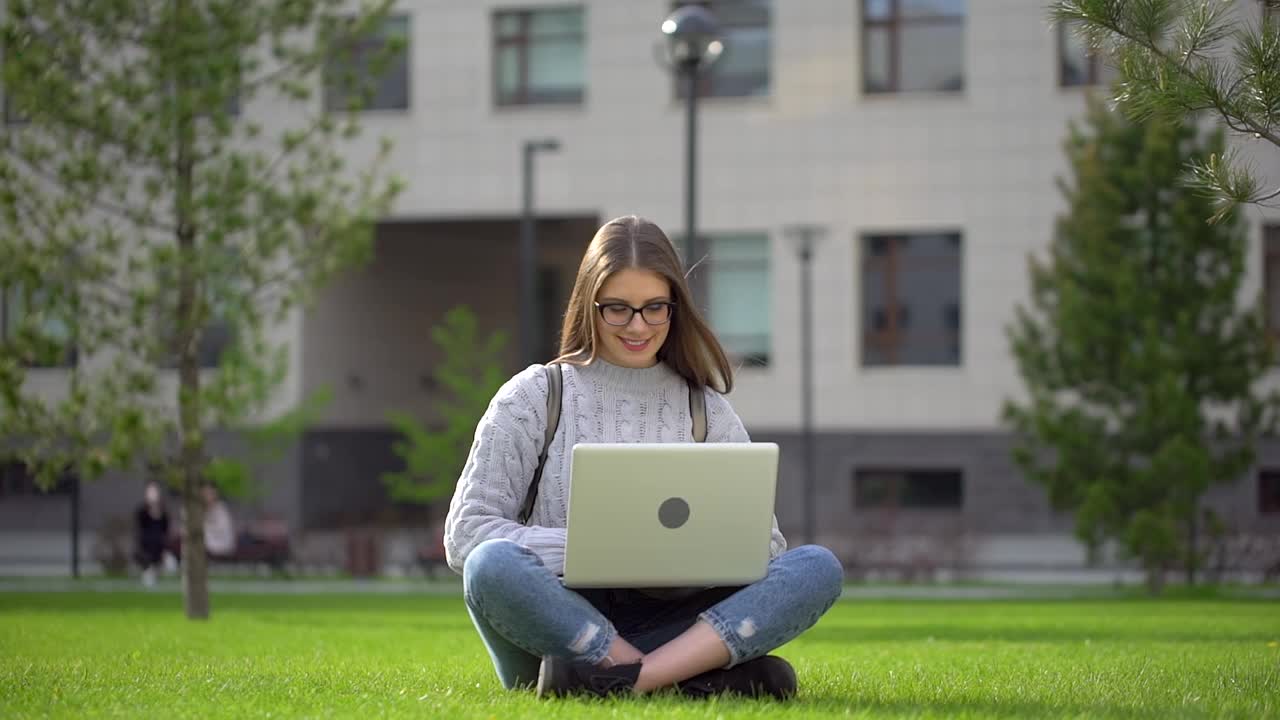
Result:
x=133 y=655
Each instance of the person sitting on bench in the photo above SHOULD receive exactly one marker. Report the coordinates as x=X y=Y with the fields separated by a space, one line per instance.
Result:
x=151 y=522
x=219 y=529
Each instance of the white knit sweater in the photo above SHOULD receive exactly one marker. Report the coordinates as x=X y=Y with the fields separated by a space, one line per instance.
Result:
x=602 y=403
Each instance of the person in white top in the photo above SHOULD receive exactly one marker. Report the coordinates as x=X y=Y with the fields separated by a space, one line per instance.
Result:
x=219 y=529
x=633 y=349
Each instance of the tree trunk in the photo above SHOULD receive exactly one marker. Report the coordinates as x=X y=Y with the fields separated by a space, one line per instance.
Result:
x=195 y=574
x=195 y=568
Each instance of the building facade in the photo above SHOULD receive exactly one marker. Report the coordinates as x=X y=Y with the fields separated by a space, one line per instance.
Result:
x=922 y=140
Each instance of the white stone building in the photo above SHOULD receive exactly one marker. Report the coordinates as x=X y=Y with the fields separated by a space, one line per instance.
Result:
x=922 y=136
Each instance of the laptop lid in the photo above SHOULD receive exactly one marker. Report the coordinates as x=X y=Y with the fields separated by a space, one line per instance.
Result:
x=670 y=514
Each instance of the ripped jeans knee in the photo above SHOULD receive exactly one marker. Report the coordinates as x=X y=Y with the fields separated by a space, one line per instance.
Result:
x=509 y=588
x=801 y=585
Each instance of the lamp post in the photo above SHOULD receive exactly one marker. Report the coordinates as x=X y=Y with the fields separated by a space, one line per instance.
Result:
x=75 y=526
x=805 y=237
x=529 y=315
x=693 y=43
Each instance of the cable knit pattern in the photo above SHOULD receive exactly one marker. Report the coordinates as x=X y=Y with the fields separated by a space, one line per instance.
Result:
x=645 y=405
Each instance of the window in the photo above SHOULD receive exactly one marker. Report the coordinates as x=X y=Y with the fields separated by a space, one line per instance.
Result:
x=891 y=488
x=1077 y=64
x=16 y=481
x=215 y=338
x=230 y=99
x=539 y=56
x=1269 y=491
x=911 y=299
x=217 y=334
x=230 y=96
x=218 y=79
x=349 y=82
x=1271 y=279
x=11 y=114
x=743 y=67
x=48 y=342
x=738 y=295
x=912 y=45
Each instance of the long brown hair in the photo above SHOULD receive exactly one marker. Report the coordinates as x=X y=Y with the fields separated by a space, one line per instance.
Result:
x=632 y=242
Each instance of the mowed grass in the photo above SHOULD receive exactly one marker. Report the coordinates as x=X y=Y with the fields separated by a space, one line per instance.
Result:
x=134 y=655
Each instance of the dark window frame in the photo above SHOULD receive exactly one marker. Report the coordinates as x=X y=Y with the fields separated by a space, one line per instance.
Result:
x=894 y=26
x=70 y=359
x=1269 y=491
x=9 y=113
x=711 y=84
x=12 y=118
x=16 y=481
x=882 y=252
x=707 y=266
x=216 y=338
x=757 y=359
x=231 y=105
x=906 y=488
x=334 y=96
x=523 y=96
x=1093 y=68
x=1271 y=279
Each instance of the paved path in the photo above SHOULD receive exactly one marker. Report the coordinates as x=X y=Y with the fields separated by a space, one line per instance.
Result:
x=454 y=587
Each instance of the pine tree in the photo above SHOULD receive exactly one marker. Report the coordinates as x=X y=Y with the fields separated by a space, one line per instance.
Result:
x=1140 y=365
x=1183 y=58
x=168 y=170
x=469 y=375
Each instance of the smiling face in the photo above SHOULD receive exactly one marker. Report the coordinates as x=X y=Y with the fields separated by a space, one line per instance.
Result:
x=636 y=344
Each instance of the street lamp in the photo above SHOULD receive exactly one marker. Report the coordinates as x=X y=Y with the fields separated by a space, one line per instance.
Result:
x=529 y=315
x=693 y=43
x=805 y=237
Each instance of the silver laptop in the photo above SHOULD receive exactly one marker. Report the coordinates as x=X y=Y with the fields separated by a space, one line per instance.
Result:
x=669 y=515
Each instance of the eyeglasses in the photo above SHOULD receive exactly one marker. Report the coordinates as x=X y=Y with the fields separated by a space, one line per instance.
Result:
x=620 y=314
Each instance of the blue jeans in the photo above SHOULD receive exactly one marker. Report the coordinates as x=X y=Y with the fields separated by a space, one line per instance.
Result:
x=523 y=612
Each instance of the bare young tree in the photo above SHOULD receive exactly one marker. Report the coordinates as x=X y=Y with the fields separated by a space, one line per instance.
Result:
x=144 y=205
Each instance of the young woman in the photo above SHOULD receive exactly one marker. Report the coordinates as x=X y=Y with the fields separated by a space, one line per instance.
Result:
x=632 y=346
x=151 y=527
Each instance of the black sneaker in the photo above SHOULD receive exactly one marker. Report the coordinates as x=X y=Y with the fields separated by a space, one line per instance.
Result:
x=768 y=676
x=558 y=677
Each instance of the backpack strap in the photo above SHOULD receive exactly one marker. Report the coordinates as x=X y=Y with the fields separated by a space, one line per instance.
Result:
x=555 y=388
x=698 y=411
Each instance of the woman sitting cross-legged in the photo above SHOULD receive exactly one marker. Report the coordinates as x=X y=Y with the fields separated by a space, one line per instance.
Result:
x=633 y=349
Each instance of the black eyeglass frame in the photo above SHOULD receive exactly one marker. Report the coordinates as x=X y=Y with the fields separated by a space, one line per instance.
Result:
x=671 y=311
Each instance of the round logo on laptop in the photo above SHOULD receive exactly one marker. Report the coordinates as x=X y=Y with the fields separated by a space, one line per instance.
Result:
x=673 y=512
